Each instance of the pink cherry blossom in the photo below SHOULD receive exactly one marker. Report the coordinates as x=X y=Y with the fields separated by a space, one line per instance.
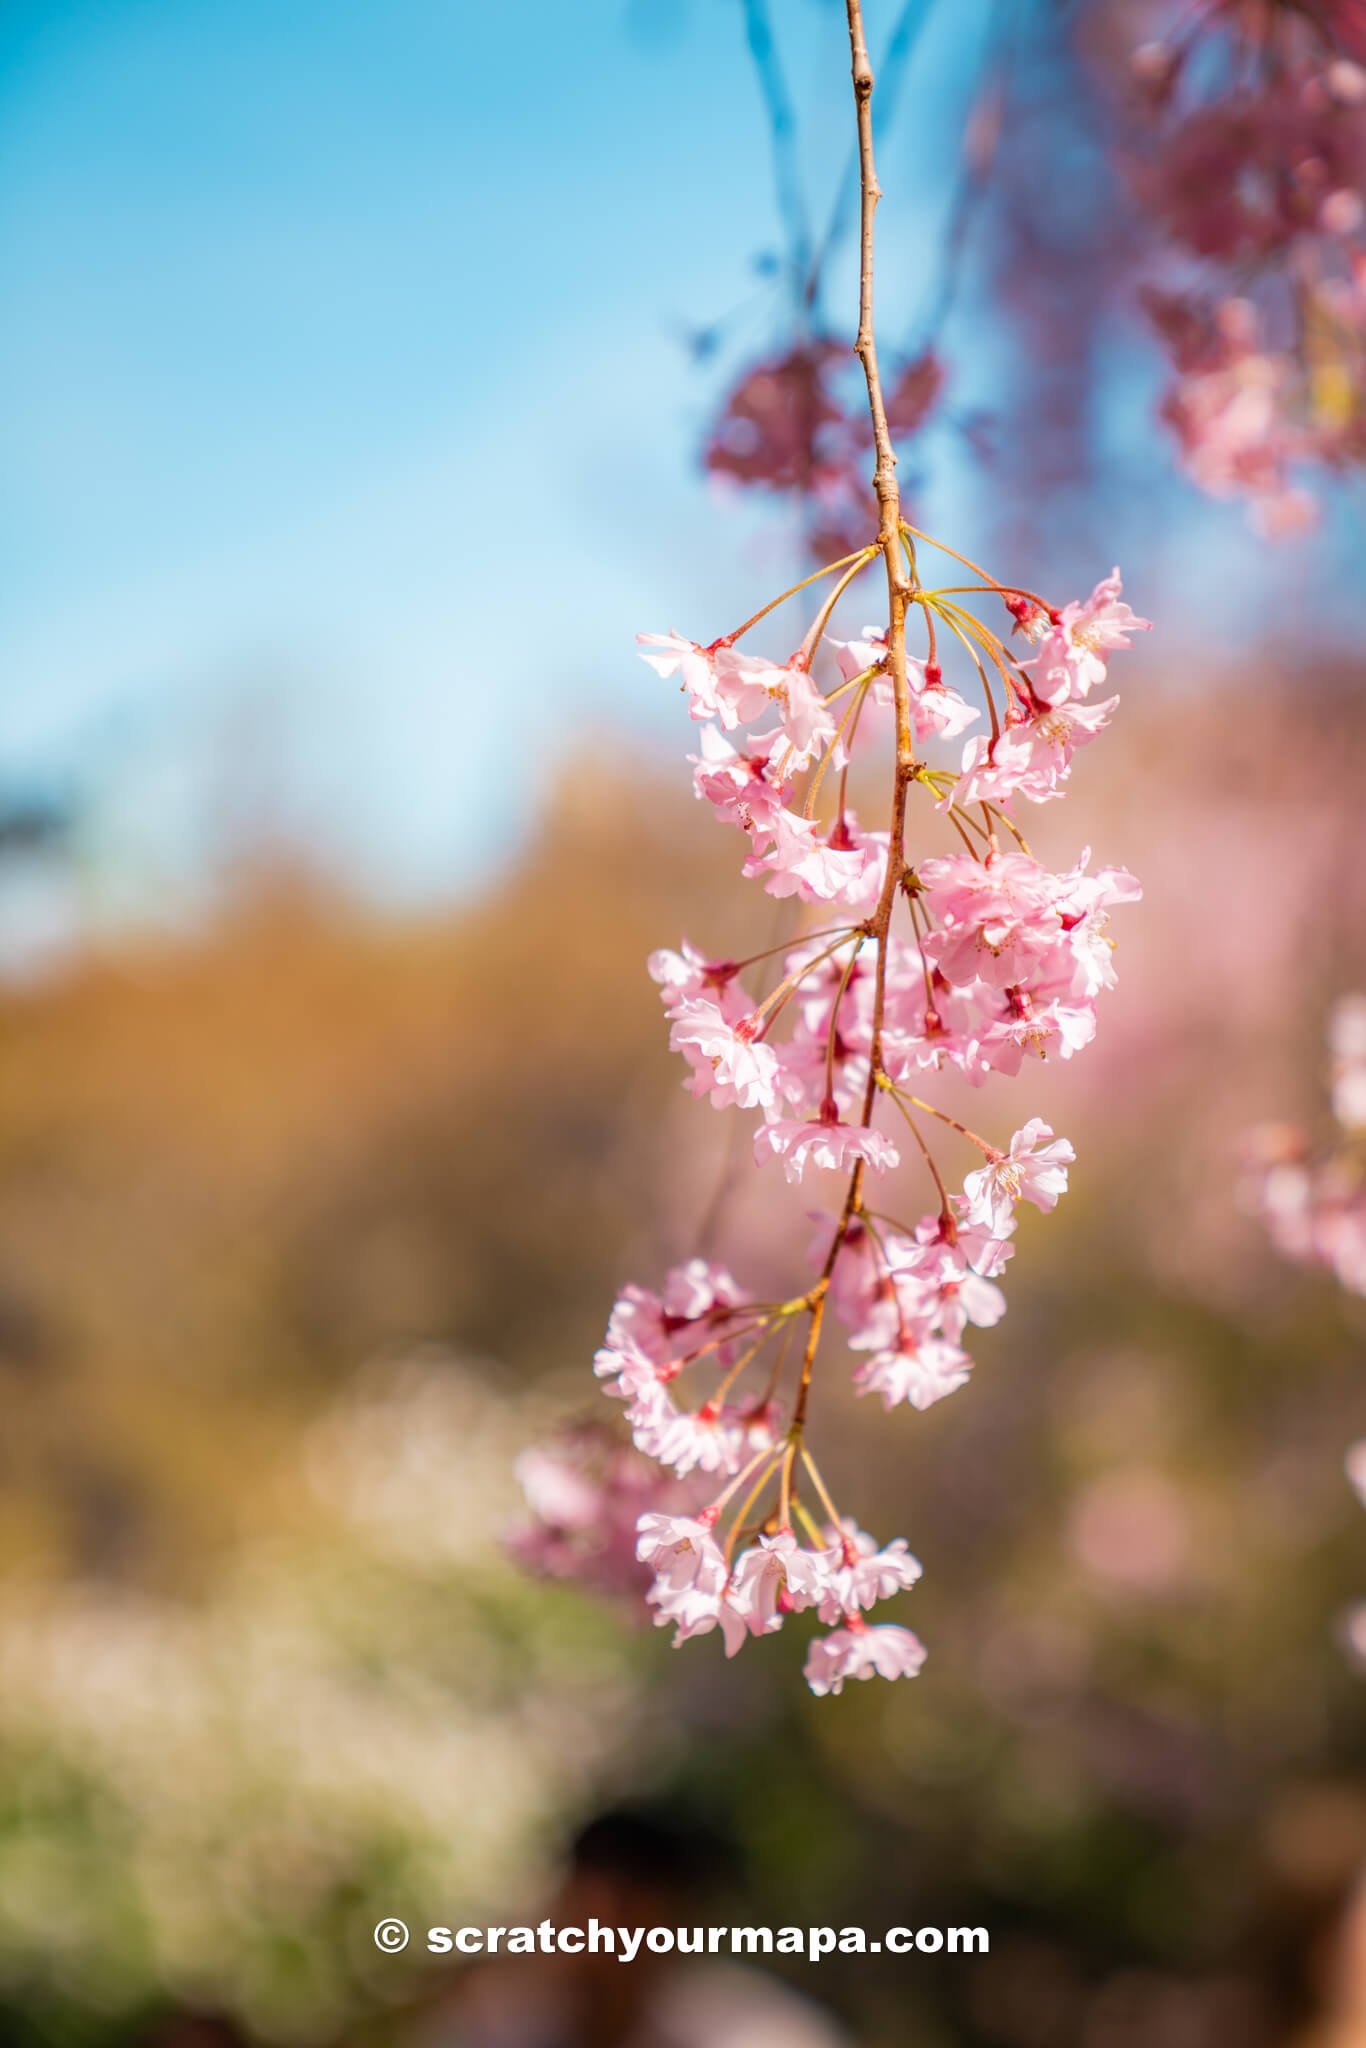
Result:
x=625 y=1369
x=697 y=1290
x=1314 y=1208
x=742 y=788
x=1010 y=923
x=806 y=720
x=730 y=1065
x=987 y=1251
x=1033 y=1170
x=922 y=1286
x=917 y=1370
x=696 y=666
x=835 y=1147
x=695 y=1611
x=862 y=1652
x=705 y=1439
x=688 y=975
x=1279 y=1184
x=658 y=1327
x=1355 y=1465
x=1347 y=1039
x=1032 y=757
x=855 y=658
x=681 y=1551
x=680 y=1438
x=778 y=1577
x=585 y=1491
x=996 y=919
x=1314 y=1204
x=1072 y=655
x=557 y=1491
x=1031 y=620
x=865 y=1573
x=956 y=1294
x=803 y=862
x=935 y=708
x=1083 y=904
x=1031 y=1027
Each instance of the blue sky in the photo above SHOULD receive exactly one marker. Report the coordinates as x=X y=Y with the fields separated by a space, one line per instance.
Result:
x=348 y=424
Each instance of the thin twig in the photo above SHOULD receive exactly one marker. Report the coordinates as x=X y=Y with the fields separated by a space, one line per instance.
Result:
x=900 y=44
x=783 y=130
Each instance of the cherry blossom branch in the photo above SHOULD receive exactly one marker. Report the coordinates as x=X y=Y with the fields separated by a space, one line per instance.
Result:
x=900 y=45
x=995 y=959
x=899 y=589
x=889 y=540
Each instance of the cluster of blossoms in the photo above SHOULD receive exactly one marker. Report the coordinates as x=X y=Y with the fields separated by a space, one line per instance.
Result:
x=1258 y=176
x=968 y=963
x=790 y=427
x=898 y=970
x=585 y=1492
x=1314 y=1206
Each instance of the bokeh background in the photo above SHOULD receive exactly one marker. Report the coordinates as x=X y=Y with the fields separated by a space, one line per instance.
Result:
x=358 y=374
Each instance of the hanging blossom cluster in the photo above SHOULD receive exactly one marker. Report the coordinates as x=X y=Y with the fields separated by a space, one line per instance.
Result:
x=967 y=961
x=899 y=969
x=1256 y=171
x=1314 y=1204
x=789 y=427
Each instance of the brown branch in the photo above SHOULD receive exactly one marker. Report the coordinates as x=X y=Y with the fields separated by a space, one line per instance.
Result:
x=899 y=585
x=900 y=590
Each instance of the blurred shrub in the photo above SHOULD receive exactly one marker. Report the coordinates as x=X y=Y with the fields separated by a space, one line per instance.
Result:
x=371 y=1714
